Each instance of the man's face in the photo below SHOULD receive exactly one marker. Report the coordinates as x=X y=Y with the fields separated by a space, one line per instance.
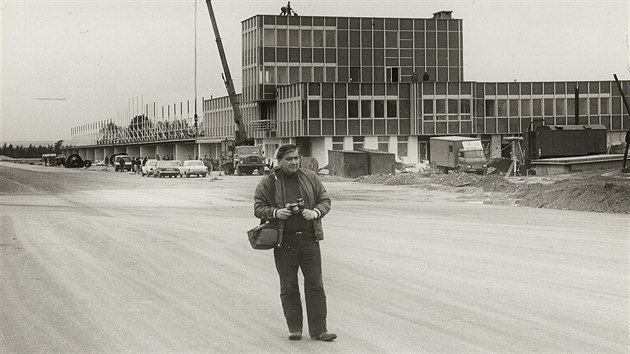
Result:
x=290 y=162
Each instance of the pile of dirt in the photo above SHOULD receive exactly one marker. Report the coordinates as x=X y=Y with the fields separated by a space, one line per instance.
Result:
x=595 y=194
x=401 y=179
x=455 y=179
x=594 y=191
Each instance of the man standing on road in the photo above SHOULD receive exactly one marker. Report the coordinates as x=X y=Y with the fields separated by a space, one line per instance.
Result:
x=296 y=201
x=121 y=163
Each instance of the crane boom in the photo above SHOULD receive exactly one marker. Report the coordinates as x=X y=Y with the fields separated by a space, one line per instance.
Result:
x=241 y=131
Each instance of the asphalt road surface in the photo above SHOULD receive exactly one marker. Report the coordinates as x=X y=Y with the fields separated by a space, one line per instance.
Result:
x=97 y=261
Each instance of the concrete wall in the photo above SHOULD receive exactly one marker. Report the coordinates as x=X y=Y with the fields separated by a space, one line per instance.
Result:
x=319 y=150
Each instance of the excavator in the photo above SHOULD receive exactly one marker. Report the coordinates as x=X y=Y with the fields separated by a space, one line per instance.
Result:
x=240 y=155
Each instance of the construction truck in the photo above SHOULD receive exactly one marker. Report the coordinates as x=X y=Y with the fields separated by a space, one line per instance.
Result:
x=458 y=153
x=239 y=155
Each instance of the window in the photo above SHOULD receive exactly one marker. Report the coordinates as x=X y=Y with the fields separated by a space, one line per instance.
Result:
x=402 y=145
x=427 y=106
x=383 y=143
x=357 y=142
x=366 y=109
x=353 y=109
x=355 y=74
x=392 y=74
x=392 y=108
x=337 y=143
x=306 y=38
x=490 y=108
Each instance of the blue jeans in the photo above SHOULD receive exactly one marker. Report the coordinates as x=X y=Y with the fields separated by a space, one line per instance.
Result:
x=301 y=253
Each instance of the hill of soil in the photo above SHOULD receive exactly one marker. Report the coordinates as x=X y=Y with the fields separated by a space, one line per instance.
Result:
x=606 y=191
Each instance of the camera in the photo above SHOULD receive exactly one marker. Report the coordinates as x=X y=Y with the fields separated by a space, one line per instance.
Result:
x=296 y=207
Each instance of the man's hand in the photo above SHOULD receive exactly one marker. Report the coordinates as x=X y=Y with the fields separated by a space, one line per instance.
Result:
x=283 y=213
x=309 y=214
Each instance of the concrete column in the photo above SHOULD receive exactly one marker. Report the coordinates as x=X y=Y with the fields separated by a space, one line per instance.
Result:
x=495 y=146
x=371 y=142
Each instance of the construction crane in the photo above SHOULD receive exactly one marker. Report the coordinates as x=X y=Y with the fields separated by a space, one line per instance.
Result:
x=240 y=156
x=240 y=135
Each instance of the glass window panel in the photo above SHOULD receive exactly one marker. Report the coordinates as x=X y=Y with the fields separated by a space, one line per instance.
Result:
x=343 y=74
x=306 y=74
x=366 y=39
x=307 y=55
x=342 y=38
x=269 y=54
x=418 y=39
x=548 y=107
x=282 y=75
x=427 y=105
x=379 y=74
x=353 y=89
x=379 y=89
x=526 y=107
x=294 y=55
x=327 y=109
x=318 y=38
x=453 y=106
x=355 y=39
x=355 y=74
x=353 y=109
x=294 y=38
x=513 y=108
x=379 y=57
x=537 y=107
x=270 y=37
x=490 y=108
x=404 y=110
x=430 y=39
x=465 y=105
x=548 y=88
x=281 y=37
x=440 y=106
x=379 y=109
x=342 y=56
x=318 y=74
x=366 y=74
x=331 y=39
x=561 y=106
x=379 y=40
x=431 y=57
x=282 y=55
x=537 y=88
x=392 y=108
x=340 y=109
x=318 y=55
x=327 y=90
x=294 y=74
x=331 y=55
x=442 y=41
x=366 y=57
x=391 y=39
x=453 y=40
x=366 y=109
x=313 y=108
x=604 y=104
x=366 y=89
x=306 y=38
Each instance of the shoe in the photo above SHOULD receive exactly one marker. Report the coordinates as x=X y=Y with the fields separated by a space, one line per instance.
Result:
x=325 y=336
x=295 y=335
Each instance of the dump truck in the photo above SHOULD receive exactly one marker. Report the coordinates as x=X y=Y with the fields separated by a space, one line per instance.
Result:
x=458 y=153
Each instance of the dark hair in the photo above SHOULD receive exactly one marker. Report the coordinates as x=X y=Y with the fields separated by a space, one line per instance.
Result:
x=285 y=149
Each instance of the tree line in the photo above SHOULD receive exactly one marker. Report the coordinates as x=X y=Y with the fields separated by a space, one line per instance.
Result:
x=30 y=151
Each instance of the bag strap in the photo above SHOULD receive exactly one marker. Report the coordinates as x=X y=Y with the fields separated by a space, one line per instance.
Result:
x=273 y=192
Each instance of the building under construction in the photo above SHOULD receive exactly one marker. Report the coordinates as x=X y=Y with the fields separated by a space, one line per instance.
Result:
x=341 y=83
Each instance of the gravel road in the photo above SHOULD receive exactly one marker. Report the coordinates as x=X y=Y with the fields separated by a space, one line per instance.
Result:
x=97 y=261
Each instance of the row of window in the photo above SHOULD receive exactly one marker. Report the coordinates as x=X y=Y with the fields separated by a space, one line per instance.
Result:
x=375 y=108
x=354 y=127
x=362 y=57
x=302 y=38
x=392 y=24
x=284 y=75
x=524 y=88
x=358 y=142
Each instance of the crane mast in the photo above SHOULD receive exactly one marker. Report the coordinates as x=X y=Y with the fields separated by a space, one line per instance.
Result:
x=241 y=131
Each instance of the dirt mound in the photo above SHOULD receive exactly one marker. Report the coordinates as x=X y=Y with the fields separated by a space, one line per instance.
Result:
x=596 y=194
x=497 y=183
x=395 y=180
x=455 y=179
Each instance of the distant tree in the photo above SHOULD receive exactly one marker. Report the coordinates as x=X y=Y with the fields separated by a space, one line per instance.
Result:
x=57 y=147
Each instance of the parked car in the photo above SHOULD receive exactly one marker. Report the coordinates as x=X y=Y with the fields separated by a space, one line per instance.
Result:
x=167 y=168
x=128 y=162
x=149 y=166
x=193 y=167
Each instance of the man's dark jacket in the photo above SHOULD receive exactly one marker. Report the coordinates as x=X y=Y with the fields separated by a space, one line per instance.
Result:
x=313 y=192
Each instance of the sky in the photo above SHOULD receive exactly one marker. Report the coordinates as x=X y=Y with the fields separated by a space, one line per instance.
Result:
x=71 y=62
